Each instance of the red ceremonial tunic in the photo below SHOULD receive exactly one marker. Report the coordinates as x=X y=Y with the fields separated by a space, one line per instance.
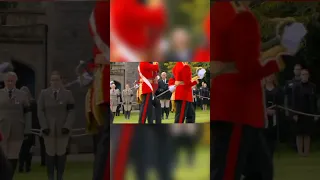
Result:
x=135 y=26
x=238 y=97
x=101 y=14
x=148 y=70
x=102 y=23
x=183 y=75
x=202 y=55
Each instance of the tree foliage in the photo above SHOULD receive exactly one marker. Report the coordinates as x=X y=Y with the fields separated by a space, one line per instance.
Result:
x=7 y=5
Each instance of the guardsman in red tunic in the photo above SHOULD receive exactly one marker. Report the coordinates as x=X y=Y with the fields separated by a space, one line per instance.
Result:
x=237 y=99
x=136 y=26
x=183 y=93
x=147 y=71
x=99 y=99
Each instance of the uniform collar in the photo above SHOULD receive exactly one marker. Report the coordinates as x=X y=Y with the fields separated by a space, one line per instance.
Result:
x=7 y=90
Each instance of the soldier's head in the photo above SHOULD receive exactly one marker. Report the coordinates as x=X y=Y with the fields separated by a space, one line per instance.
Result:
x=297 y=70
x=163 y=75
x=127 y=86
x=10 y=80
x=56 y=80
x=304 y=75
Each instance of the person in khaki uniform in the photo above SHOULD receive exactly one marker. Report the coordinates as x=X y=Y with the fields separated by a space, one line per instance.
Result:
x=15 y=119
x=127 y=98
x=56 y=118
x=114 y=98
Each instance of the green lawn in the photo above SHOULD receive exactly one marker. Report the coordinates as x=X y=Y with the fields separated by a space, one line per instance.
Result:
x=288 y=166
x=74 y=171
x=201 y=117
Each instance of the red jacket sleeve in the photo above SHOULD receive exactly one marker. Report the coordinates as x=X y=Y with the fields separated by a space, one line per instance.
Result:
x=171 y=82
x=187 y=73
x=245 y=35
x=154 y=17
x=151 y=67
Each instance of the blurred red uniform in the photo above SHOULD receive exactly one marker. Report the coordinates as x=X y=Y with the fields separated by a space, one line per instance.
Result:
x=203 y=54
x=183 y=93
x=232 y=89
x=135 y=28
x=237 y=95
x=99 y=96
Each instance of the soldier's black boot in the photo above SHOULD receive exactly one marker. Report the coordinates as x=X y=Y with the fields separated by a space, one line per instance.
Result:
x=162 y=113
x=129 y=112
x=50 y=161
x=60 y=166
x=126 y=114
x=28 y=162
x=166 y=111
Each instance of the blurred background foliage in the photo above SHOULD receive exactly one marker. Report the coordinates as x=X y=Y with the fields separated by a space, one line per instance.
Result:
x=189 y=14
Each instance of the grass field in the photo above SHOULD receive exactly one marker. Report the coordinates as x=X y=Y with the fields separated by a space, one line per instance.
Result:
x=201 y=117
x=288 y=166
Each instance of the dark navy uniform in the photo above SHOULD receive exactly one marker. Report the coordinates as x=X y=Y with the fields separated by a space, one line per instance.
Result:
x=288 y=90
x=304 y=99
x=273 y=97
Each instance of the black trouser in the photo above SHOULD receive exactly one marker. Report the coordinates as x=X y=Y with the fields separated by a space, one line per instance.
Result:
x=146 y=109
x=184 y=111
x=42 y=151
x=236 y=148
x=5 y=167
x=25 y=155
x=102 y=155
x=157 y=110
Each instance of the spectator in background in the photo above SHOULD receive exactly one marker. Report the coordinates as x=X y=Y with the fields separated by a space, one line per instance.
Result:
x=195 y=93
x=288 y=103
x=180 y=45
x=304 y=100
x=165 y=98
x=26 y=153
x=205 y=95
x=273 y=97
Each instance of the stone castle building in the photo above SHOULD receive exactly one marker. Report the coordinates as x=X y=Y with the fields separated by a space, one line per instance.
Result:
x=39 y=37
x=123 y=73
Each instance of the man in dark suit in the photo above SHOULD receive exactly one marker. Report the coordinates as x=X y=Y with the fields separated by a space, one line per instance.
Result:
x=181 y=46
x=164 y=98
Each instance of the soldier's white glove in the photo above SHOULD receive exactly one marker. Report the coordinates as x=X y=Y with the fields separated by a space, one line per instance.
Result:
x=136 y=86
x=201 y=73
x=82 y=62
x=87 y=79
x=172 y=88
x=292 y=36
